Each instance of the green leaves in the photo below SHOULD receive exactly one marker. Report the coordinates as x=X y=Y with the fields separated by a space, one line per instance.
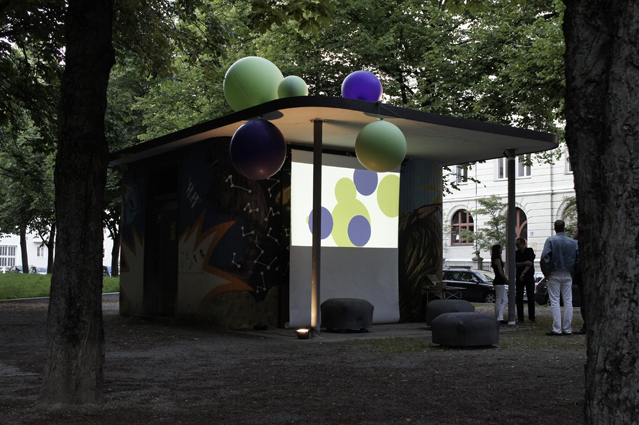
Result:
x=472 y=6
x=460 y=6
x=310 y=14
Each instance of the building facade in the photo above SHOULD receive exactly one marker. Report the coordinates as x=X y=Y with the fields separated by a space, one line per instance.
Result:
x=541 y=196
x=37 y=252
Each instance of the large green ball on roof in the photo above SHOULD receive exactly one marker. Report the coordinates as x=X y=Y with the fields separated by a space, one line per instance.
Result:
x=380 y=146
x=251 y=81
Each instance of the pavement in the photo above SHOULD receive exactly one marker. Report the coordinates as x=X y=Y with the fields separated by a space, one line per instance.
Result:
x=378 y=331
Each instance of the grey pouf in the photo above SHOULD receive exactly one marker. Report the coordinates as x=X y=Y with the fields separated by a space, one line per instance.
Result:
x=347 y=314
x=437 y=307
x=465 y=330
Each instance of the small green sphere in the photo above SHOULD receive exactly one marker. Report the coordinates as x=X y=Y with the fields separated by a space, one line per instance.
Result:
x=380 y=146
x=292 y=86
x=251 y=81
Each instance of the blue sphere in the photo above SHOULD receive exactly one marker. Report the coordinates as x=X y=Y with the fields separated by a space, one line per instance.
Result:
x=258 y=149
x=362 y=85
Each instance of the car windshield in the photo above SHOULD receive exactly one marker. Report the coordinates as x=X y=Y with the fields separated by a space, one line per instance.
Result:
x=486 y=275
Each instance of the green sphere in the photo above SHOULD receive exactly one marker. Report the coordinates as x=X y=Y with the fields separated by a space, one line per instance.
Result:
x=380 y=146
x=251 y=81
x=292 y=86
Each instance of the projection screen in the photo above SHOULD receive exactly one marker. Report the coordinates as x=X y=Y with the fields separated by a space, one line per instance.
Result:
x=360 y=211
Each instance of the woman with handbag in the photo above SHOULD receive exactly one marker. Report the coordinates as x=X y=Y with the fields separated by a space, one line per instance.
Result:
x=500 y=282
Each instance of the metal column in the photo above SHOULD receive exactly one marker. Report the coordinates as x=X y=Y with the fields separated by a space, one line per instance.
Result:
x=317 y=228
x=510 y=234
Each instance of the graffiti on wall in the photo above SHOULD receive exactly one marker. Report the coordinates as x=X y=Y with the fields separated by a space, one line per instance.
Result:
x=235 y=223
x=420 y=234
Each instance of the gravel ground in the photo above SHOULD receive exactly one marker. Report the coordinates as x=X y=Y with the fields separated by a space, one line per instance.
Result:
x=160 y=373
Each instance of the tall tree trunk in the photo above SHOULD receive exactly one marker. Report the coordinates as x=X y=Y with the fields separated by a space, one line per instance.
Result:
x=51 y=249
x=115 y=256
x=74 y=372
x=602 y=131
x=23 y=249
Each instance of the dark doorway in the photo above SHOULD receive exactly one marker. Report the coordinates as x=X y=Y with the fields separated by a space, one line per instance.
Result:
x=161 y=244
x=521 y=227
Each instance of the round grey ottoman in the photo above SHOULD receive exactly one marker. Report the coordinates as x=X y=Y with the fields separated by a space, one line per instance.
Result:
x=437 y=307
x=465 y=329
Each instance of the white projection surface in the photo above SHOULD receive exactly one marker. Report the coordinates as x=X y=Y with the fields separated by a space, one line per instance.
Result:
x=359 y=236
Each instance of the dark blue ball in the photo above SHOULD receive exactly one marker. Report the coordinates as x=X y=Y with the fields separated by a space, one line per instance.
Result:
x=258 y=149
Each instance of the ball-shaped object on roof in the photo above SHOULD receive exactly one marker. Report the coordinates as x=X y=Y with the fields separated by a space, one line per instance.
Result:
x=251 y=81
x=362 y=85
x=292 y=86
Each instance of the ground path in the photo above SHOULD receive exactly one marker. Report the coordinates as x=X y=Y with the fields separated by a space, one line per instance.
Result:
x=161 y=373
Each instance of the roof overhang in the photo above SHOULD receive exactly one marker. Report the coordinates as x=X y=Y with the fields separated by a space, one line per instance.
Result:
x=445 y=140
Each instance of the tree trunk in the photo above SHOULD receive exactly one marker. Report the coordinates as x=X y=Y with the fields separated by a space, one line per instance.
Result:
x=23 y=249
x=50 y=249
x=115 y=256
x=602 y=131
x=74 y=371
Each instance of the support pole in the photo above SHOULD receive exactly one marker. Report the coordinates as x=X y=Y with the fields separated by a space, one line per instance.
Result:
x=317 y=228
x=510 y=234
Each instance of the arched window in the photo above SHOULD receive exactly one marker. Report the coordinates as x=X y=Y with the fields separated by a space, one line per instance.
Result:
x=461 y=224
x=521 y=225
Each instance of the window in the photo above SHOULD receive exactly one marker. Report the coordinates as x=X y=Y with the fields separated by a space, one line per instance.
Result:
x=41 y=251
x=7 y=256
x=523 y=170
x=568 y=164
x=461 y=172
x=461 y=225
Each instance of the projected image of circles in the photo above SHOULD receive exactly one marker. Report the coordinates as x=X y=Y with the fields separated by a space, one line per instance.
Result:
x=365 y=181
x=359 y=230
x=388 y=195
x=327 y=223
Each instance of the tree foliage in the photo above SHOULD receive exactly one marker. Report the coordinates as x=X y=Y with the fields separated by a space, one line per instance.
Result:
x=26 y=186
x=493 y=229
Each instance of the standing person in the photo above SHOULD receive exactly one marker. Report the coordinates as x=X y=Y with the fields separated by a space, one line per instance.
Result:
x=576 y=278
x=500 y=282
x=525 y=263
x=558 y=260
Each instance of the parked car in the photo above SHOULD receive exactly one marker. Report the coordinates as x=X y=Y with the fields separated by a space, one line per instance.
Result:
x=472 y=285
x=541 y=294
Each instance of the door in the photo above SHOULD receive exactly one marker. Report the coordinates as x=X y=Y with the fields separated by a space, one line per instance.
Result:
x=161 y=247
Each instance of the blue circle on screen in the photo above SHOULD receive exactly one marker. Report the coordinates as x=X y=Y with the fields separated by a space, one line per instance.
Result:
x=359 y=230
x=365 y=181
x=327 y=223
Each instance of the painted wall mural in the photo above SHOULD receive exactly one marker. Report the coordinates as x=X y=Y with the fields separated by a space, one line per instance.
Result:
x=229 y=233
x=420 y=234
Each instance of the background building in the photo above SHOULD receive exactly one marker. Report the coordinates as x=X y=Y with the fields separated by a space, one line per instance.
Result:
x=37 y=252
x=542 y=192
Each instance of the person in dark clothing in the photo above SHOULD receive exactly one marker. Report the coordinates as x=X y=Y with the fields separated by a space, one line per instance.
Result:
x=525 y=263
x=500 y=283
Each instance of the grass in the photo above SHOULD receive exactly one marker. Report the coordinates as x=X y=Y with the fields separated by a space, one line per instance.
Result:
x=19 y=285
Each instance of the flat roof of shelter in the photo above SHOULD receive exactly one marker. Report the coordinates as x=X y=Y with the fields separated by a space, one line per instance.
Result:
x=443 y=139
